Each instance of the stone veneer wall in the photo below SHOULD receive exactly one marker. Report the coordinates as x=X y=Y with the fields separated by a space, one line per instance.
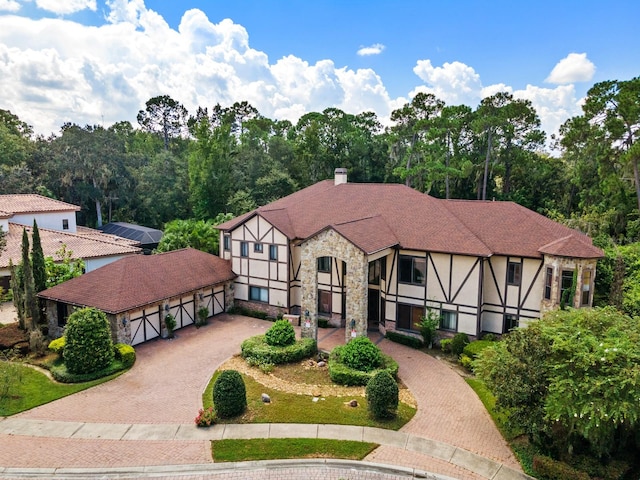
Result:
x=329 y=243
x=563 y=263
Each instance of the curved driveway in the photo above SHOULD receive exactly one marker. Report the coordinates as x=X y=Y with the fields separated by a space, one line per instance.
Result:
x=167 y=381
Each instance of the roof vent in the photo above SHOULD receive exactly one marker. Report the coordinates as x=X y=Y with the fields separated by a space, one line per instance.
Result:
x=340 y=176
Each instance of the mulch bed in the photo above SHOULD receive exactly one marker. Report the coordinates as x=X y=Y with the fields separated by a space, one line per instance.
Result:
x=11 y=336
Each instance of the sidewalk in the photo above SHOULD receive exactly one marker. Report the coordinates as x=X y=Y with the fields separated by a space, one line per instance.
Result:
x=481 y=466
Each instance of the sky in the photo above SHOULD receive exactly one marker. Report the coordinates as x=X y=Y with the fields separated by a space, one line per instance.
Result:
x=96 y=62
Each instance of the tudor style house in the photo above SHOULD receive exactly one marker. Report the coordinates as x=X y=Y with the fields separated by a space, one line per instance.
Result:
x=377 y=256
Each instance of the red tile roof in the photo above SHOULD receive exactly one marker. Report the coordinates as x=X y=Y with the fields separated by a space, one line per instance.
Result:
x=417 y=221
x=82 y=247
x=32 y=203
x=139 y=280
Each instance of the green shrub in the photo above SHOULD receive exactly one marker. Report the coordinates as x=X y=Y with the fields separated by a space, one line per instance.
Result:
x=428 y=326
x=361 y=354
x=492 y=337
x=88 y=345
x=57 y=345
x=255 y=349
x=466 y=361
x=408 y=340
x=344 y=375
x=125 y=353
x=60 y=372
x=203 y=315
x=170 y=323
x=460 y=340
x=323 y=323
x=474 y=348
x=37 y=343
x=280 y=334
x=613 y=470
x=445 y=345
x=551 y=469
x=382 y=395
x=229 y=394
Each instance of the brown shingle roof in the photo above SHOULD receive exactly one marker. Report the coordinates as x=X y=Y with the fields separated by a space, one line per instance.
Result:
x=418 y=221
x=82 y=247
x=359 y=232
x=139 y=280
x=32 y=203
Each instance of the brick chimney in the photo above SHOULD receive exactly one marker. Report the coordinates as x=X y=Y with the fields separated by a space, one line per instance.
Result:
x=340 y=176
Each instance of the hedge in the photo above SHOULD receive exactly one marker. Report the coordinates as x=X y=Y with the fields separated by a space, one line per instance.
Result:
x=474 y=348
x=551 y=469
x=61 y=374
x=343 y=375
x=413 y=342
x=125 y=353
x=257 y=350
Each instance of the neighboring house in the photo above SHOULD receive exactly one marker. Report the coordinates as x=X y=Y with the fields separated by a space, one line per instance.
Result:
x=145 y=237
x=57 y=225
x=378 y=255
x=137 y=293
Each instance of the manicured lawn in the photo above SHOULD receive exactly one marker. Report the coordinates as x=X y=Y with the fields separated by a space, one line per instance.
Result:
x=30 y=388
x=279 y=448
x=291 y=408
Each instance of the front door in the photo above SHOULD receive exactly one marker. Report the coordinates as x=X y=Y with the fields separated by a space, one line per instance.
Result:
x=374 y=309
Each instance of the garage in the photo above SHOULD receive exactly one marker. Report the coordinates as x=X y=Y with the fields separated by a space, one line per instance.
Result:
x=138 y=292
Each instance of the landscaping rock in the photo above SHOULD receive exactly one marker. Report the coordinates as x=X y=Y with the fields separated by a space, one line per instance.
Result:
x=322 y=364
x=266 y=398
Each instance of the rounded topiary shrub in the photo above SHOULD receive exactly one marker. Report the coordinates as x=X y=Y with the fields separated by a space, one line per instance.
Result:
x=382 y=395
x=459 y=341
x=361 y=354
x=229 y=394
x=88 y=346
x=280 y=334
x=125 y=353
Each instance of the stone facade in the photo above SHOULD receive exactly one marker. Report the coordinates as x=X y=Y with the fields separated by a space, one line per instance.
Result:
x=329 y=243
x=567 y=264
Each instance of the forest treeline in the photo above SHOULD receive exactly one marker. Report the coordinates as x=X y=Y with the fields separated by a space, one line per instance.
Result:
x=227 y=160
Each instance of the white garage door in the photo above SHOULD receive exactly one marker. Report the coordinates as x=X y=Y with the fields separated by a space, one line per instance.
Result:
x=213 y=299
x=183 y=310
x=145 y=325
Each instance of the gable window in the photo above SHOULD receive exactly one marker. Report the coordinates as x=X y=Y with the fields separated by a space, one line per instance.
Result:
x=548 y=282
x=244 y=249
x=409 y=316
x=449 y=320
x=412 y=270
x=566 y=281
x=586 y=288
x=227 y=242
x=65 y=224
x=259 y=294
x=257 y=247
x=514 y=273
x=374 y=272
x=510 y=322
x=324 y=264
x=273 y=252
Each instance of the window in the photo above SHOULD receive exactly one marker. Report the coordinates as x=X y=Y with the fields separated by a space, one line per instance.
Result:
x=383 y=311
x=244 y=249
x=383 y=268
x=65 y=224
x=566 y=281
x=227 y=242
x=449 y=320
x=374 y=272
x=324 y=302
x=510 y=322
x=324 y=264
x=257 y=247
x=548 y=282
x=63 y=313
x=514 y=271
x=413 y=270
x=409 y=316
x=259 y=294
x=273 y=252
x=586 y=287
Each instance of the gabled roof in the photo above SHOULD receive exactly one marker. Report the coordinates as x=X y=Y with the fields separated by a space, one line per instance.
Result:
x=139 y=280
x=33 y=203
x=416 y=221
x=138 y=233
x=52 y=241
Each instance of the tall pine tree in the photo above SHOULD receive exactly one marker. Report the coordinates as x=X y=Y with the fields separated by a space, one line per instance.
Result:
x=39 y=269
x=31 y=311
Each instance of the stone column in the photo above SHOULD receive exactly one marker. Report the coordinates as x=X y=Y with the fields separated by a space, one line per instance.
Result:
x=357 y=295
x=308 y=313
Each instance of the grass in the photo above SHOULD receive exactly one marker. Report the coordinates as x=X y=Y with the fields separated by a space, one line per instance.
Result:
x=280 y=448
x=30 y=388
x=292 y=408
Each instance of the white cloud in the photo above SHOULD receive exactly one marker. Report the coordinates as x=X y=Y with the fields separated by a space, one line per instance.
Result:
x=9 y=5
x=554 y=105
x=455 y=83
x=65 y=7
x=375 y=49
x=575 y=67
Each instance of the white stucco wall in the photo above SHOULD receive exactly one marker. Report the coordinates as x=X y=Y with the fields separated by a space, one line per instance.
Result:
x=50 y=220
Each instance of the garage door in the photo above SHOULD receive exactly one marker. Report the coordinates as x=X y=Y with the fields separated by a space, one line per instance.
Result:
x=145 y=325
x=183 y=310
x=213 y=299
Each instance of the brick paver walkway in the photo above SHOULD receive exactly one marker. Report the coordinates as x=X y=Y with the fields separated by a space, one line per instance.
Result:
x=166 y=384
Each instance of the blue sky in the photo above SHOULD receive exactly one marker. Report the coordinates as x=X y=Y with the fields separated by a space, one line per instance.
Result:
x=97 y=62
